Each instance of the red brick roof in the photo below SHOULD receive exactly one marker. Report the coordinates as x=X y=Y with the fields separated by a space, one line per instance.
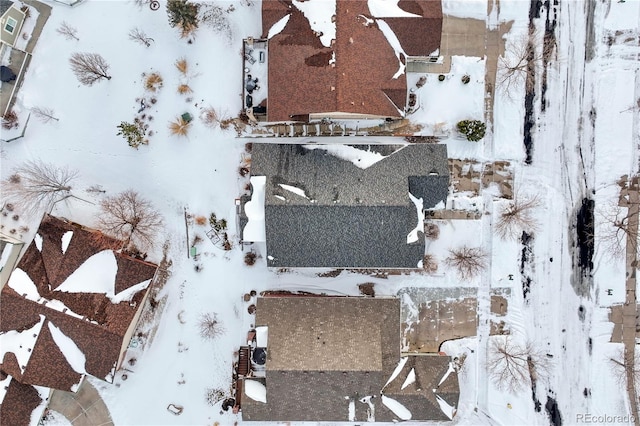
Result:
x=301 y=81
x=98 y=326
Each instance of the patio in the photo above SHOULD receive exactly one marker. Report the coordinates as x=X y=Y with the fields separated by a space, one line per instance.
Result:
x=254 y=78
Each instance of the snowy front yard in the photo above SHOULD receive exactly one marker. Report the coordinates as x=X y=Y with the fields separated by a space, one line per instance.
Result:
x=191 y=176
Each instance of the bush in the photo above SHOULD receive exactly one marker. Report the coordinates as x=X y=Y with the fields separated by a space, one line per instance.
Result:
x=474 y=130
x=250 y=258
x=431 y=231
x=180 y=127
x=201 y=220
x=183 y=89
x=209 y=117
x=367 y=289
x=430 y=264
x=182 y=65
x=214 y=395
x=133 y=133
x=10 y=120
x=153 y=82
x=183 y=15
x=218 y=225
x=466 y=79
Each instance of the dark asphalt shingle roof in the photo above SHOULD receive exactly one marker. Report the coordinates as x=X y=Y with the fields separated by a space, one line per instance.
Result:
x=350 y=217
x=4 y=6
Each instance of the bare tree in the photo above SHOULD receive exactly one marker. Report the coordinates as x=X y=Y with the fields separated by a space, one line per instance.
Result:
x=521 y=61
x=209 y=326
x=513 y=366
x=625 y=366
x=140 y=36
x=44 y=114
x=69 y=32
x=141 y=3
x=89 y=67
x=468 y=261
x=517 y=216
x=618 y=231
x=37 y=186
x=131 y=218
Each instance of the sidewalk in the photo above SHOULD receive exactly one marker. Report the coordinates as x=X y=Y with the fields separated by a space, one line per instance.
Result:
x=82 y=408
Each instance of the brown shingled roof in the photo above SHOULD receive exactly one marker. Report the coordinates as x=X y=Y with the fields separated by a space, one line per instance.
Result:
x=18 y=403
x=98 y=326
x=301 y=81
x=325 y=354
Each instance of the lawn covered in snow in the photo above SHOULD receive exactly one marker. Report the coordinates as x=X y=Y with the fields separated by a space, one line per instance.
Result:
x=174 y=363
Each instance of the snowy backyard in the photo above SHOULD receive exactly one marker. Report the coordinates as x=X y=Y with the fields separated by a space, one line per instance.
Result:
x=578 y=153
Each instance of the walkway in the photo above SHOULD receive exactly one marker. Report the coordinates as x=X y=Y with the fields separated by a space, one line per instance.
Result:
x=629 y=313
x=82 y=408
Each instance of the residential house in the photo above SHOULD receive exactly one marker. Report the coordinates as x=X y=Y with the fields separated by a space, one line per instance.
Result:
x=338 y=359
x=343 y=206
x=343 y=59
x=11 y=21
x=10 y=248
x=69 y=309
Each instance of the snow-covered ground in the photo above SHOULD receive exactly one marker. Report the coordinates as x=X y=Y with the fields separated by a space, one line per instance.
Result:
x=199 y=173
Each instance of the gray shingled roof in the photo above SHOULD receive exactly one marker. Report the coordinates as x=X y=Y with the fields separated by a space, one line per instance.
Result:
x=4 y=6
x=324 y=352
x=350 y=217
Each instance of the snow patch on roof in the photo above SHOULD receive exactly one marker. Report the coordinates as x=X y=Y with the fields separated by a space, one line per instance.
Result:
x=69 y=349
x=395 y=45
x=398 y=409
x=278 y=26
x=294 y=189
x=20 y=343
x=127 y=294
x=359 y=157
x=366 y=21
x=38 y=240
x=255 y=390
x=388 y=9
x=446 y=374
x=411 y=378
x=57 y=305
x=96 y=275
x=320 y=15
x=371 y=411
x=397 y=371
x=255 y=229
x=66 y=239
x=447 y=409
x=262 y=336
x=23 y=284
x=414 y=235
x=352 y=410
